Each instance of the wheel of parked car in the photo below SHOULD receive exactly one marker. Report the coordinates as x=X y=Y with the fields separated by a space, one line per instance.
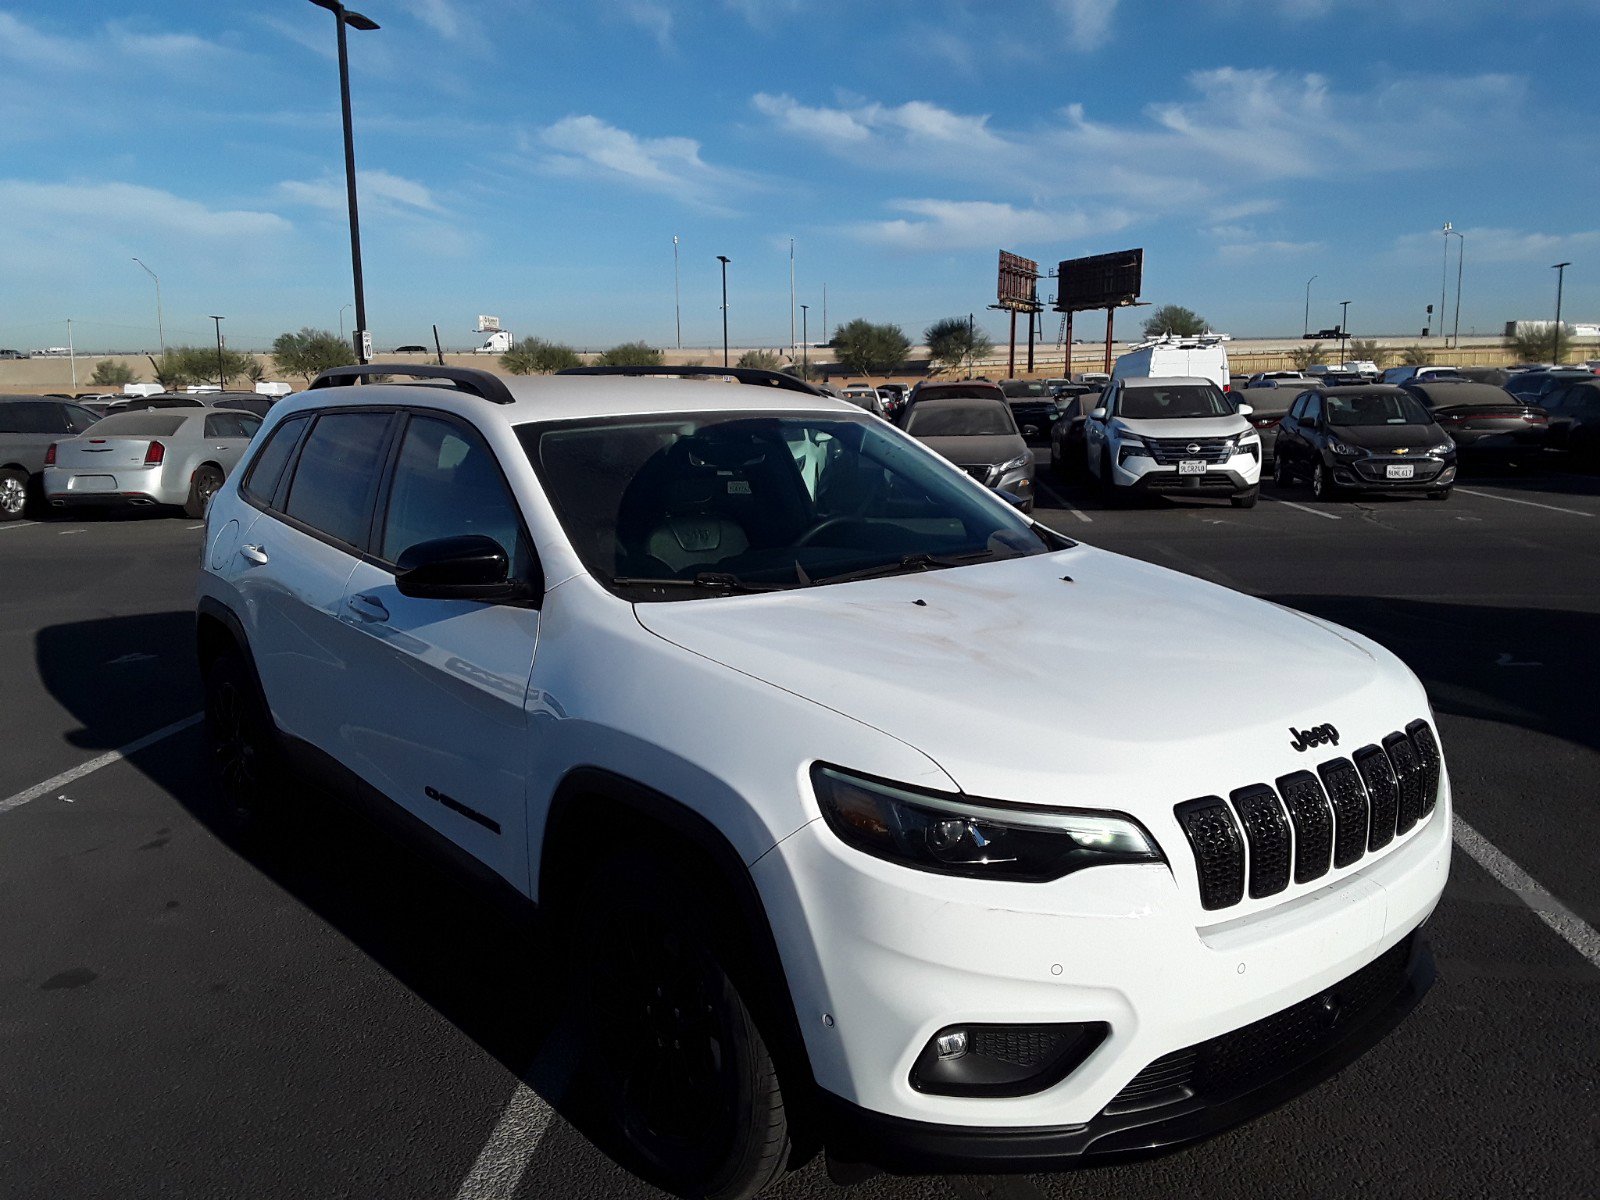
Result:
x=673 y=1055
x=1322 y=487
x=242 y=751
x=1280 y=472
x=1246 y=499
x=13 y=493
x=1441 y=494
x=202 y=487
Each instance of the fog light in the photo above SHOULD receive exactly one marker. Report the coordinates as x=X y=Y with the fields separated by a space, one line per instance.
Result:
x=1003 y=1060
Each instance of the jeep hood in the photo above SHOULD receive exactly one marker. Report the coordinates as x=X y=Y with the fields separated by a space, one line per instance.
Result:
x=1077 y=678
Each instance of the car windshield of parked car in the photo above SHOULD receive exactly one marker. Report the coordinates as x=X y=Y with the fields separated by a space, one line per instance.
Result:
x=1377 y=408
x=1022 y=389
x=1175 y=402
x=150 y=423
x=673 y=507
x=960 y=418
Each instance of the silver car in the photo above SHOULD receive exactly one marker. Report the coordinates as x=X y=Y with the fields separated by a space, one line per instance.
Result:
x=173 y=457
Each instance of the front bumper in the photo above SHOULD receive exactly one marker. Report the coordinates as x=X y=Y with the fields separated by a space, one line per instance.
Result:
x=1262 y=1066
x=1239 y=473
x=1366 y=475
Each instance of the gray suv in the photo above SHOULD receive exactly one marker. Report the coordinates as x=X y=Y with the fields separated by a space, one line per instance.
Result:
x=28 y=424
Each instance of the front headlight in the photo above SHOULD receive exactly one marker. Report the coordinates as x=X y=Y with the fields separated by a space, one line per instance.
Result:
x=1442 y=448
x=1015 y=464
x=1248 y=442
x=1347 y=451
x=1131 y=444
x=951 y=835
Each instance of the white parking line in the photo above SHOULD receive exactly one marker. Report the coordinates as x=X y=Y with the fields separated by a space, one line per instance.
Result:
x=18 y=525
x=1576 y=512
x=1314 y=512
x=504 y=1158
x=94 y=764
x=1060 y=502
x=1568 y=926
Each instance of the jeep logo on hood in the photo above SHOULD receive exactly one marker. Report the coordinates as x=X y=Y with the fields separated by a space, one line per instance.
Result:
x=1317 y=735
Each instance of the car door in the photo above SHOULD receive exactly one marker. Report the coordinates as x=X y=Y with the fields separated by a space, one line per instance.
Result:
x=1094 y=429
x=290 y=566
x=1289 y=444
x=1312 y=432
x=227 y=436
x=438 y=720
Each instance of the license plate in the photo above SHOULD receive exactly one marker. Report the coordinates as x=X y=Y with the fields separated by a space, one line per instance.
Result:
x=93 y=483
x=1192 y=466
x=1401 y=470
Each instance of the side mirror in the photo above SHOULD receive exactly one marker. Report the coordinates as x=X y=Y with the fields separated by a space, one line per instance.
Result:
x=468 y=567
x=1306 y=422
x=1012 y=499
x=1099 y=414
x=1245 y=410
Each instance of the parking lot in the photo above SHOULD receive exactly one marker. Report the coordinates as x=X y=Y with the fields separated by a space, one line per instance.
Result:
x=326 y=1014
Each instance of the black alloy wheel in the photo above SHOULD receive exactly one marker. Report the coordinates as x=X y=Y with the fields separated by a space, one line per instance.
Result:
x=240 y=745
x=202 y=487
x=673 y=1055
x=1280 y=471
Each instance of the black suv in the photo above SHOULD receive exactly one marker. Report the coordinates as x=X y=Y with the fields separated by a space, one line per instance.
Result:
x=1033 y=405
x=1371 y=438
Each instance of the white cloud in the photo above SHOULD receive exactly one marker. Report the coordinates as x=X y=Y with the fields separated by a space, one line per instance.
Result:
x=917 y=123
x=1088 y=22
x=820 y=124
x=378 y=189
x=25 y=44
x=441 y=16
x=1498 y=245
x=968 y=224
x=590 y=147
x=130 y=208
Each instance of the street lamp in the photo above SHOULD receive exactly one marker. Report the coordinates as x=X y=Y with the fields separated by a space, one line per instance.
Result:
x=677 y=295
x=724 y=260
x=805 y=341
x=342 y=307
x=1306 y=330
x=1344 y=319
x=222 y=382
x=1444 y=272
x=1561 y=278
x=1461 y=254
x=161 y=332
x=342 y=17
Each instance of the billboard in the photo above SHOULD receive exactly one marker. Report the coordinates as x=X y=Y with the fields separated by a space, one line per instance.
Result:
x=1100 y=281
x=488 y=324
x=1016 y=288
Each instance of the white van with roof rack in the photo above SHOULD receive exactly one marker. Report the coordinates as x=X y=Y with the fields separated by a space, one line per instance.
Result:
x=1204 y=356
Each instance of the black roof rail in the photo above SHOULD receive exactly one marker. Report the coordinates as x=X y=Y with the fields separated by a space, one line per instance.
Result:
x=483 y=384
x=753 y=375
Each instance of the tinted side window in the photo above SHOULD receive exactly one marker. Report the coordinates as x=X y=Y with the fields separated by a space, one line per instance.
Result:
x=31 y=417
x=221 y=425
x=337 y=472
x=79 y=419
x=267 y=469
x=1314 y=407
x=446 y=482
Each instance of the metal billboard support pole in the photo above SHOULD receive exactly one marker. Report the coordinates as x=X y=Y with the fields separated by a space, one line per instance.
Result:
x=1110 y=318
x=1011 y=358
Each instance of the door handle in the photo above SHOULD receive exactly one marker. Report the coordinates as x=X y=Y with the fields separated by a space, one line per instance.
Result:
x=368 y=608
x=254 y=554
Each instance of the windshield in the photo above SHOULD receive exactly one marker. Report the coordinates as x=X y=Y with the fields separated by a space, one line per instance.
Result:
x=1381 y=408
x=718 y=503
x=1175 y=402
x=960 y=418
x=1021 y=389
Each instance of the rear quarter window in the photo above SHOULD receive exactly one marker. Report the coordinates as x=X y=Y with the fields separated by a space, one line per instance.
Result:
x=261 y=482
x=337 y=474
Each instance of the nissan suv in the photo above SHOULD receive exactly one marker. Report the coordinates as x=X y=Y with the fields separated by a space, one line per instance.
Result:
x=1173 y=434
x=716 y=676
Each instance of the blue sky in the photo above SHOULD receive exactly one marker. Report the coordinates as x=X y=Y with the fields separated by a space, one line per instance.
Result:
x=534 y=158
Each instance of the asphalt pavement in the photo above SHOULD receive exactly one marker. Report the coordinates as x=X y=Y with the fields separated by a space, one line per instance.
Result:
x=330 y=1015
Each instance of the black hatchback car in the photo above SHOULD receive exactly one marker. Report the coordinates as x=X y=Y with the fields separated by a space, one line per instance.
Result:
x=1369 y=438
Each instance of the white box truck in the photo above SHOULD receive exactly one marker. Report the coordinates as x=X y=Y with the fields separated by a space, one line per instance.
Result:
x=499 y=343
x=1204 y=356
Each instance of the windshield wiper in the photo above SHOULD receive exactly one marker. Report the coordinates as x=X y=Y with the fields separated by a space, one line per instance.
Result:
x=911 y=562
x=713 y=581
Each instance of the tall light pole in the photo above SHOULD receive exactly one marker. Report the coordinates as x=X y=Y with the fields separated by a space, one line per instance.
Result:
x=1344 y=317
x=1444 y=272
x=1461 y=254
x=791 y=299
x=341 y=18
x=805 y=342
x=73 y=354
x=677 y=295
x=1561 y=278
x=724 y=260
x=161 y=331
x=342 y=307
x=222 y=382
x=1306 y=328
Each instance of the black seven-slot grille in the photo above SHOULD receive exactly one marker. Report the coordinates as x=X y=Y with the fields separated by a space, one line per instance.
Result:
x=1311 y=821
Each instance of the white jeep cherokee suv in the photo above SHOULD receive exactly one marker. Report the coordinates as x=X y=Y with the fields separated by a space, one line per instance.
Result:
x=1174 y=435
x=727 y=680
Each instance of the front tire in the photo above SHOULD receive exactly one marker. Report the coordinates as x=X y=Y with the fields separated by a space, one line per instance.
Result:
x=13 y=494
x=1280 y=471
x=1246 y=499
x=673 y=1053
x=1440 y=494
x=242 y=748
x=1322 y=487
x=203 y=486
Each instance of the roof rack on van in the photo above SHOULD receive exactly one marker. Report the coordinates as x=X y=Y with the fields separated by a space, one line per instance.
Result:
x=469 y=379
x=773 y=379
